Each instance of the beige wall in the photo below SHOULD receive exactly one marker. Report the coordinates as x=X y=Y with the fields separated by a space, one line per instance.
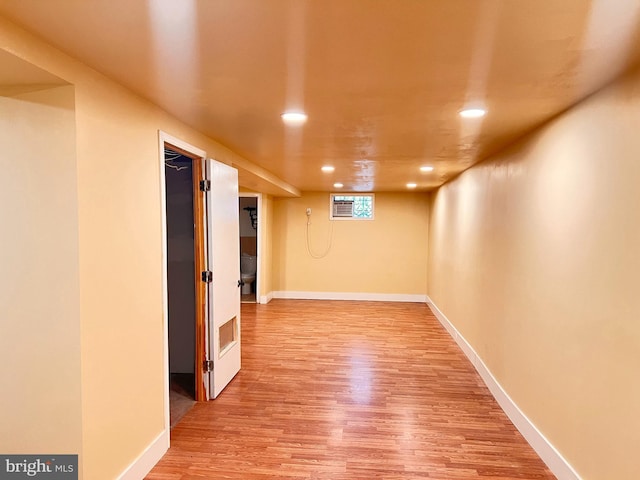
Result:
x=119 y=254
x=535 y=258
x=266 y=262
x=40 y=403
x=387 y=255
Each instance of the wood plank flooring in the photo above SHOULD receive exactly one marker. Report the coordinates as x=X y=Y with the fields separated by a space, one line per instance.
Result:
x=348 y=390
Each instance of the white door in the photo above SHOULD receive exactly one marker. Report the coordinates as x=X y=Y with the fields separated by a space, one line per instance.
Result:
x=224 y=262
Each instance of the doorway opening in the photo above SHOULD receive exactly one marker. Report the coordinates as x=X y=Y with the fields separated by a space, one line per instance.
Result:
x=206 y=243
x=180 y=284
x=248 y=213
x=185 y=308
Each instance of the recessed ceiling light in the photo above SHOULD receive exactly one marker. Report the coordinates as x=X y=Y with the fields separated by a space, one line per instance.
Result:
x=294 y=118
x=426 y=168
x=338 y=185
x=327 y=168
x=473 y=112
x=412 y=185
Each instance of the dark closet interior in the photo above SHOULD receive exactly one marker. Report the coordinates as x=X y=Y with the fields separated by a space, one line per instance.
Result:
x=181 y=282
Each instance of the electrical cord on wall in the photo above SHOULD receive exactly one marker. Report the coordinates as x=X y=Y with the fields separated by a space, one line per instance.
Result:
x=329 y=244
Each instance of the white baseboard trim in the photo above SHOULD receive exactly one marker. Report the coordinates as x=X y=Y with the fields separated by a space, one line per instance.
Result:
x=374 y=297
x=547 y=452
x=147 y=459
x=264 y=299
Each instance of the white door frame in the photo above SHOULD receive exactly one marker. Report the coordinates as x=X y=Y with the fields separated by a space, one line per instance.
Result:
x=258 y=241
x=162 y=139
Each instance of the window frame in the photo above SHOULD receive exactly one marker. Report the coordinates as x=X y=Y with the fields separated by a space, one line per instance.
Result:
x=350 y=194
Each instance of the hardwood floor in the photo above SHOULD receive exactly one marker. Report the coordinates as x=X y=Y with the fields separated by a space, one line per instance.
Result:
x=348 y=390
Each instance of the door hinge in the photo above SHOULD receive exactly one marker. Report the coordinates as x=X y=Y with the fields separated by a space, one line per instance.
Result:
x=205 y=185
x=207 y=276
x=207 y=365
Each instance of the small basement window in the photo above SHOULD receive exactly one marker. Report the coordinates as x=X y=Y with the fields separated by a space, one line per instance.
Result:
x=357 y=206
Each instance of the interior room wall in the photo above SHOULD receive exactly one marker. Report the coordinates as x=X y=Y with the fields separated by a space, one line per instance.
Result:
x=248 y=234
x=246 y=230
x=119 y=255
x=181 y=267
x=534 y=256
x=265 y=283
x=39 y=279
x=386 y=255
